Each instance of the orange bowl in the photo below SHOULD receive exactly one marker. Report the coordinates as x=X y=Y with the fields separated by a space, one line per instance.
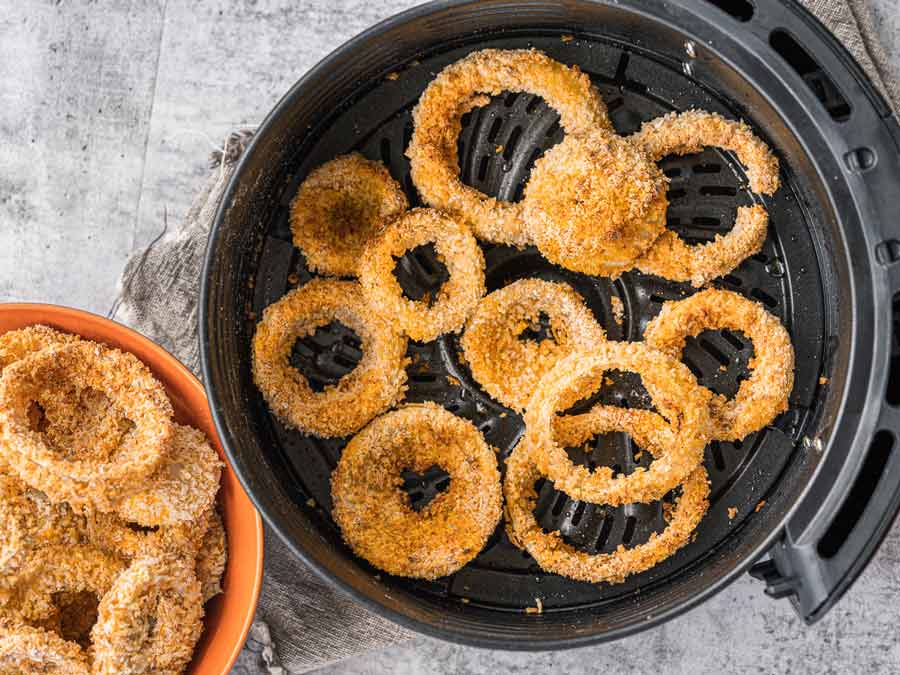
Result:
x=228 y=615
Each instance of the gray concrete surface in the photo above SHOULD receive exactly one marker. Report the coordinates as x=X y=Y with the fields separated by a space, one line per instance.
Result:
x=107 y=113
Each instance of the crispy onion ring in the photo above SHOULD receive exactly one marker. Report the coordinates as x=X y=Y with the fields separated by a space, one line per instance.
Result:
x=17 y=344
x=31 y=651
x=377 y=382
x=455 y=91
x=765 y=393
x=374 y=512
x=554 y=555
x=28 y=520
x=212 y=558
x=54 y=569
x=673 y=390
x=182 y=488
x=595 y=203
x=671 y=258
x=339 y=208
x=456 y=248
x=127 y=641
x=508 y=367
x=131 y=388
x=689 y=132
x=117 y=537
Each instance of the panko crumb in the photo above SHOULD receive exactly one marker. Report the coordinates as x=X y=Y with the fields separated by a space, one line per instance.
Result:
x=537 y=609
x=732 y=512
x=567 y=38
x=464 y=601
x=453 y=382
x=311 y=503
x=393 y=76
x=823 y=380
x=618 y=309
x=762 y=503
x=498 y=149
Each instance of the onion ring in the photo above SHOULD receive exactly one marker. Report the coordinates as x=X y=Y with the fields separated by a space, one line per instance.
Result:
x=374 y=513
x=339 y=208
x=455 y=91
x=377 y=382
x=508 y=367
x=671 y=258
x=212 y=558
x=595 y=203
x=31 y=651
x=456 y=248
x=554 y=555
x=17 y=344
x=673 y=390
x=689 y=132
x=182 y=488
x=765 y=393
x=113 y=535
x=125 y=641
x=129 y=385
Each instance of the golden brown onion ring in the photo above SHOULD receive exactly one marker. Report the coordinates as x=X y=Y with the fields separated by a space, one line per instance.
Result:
x=765 y=393
x=339 y=208
x=150 y=620
x=689 y=132
x=374 y=385
x=554 y=555
x=25 y=650
x=675 y=393
x=374 y=512
x=460 y=87
x=509 y=367
x=595 y=203
x=131 y=388
x=456 y=248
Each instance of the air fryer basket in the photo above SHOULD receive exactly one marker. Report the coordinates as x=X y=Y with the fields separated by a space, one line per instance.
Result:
x=817 y=489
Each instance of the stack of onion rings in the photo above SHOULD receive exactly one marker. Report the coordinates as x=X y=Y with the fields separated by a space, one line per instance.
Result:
x=339 y=208
x=374 y=513
x=687 y=133
x=508 y=367
x=675 y=392
x=652 y=433
x=377 y=382
x=462 y=86
x=456 y=248
x=765 y=393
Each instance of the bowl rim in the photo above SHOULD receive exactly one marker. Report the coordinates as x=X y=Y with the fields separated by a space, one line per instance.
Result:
x=192 y=381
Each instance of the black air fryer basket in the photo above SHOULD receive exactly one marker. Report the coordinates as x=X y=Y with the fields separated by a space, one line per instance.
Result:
x=815 y=492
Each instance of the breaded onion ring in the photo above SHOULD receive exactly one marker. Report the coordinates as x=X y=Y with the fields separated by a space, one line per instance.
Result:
x=117 y=537
x=689 y=132
x=182 y=488
x=765 y=393
x=31 y=651
x=339 y=208
x=509 y=367
x=150 y=620
x=595 y=203
x=459 y=88
x=377 y=382
x=456 y=248
x=212 y=558
x=671 y=258
x=675 y=393
x=374 y=512
x=17 y=344
x=131 y=388
x=554 y=555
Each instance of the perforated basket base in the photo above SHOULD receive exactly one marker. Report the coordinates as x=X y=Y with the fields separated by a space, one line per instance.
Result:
x=704 y=192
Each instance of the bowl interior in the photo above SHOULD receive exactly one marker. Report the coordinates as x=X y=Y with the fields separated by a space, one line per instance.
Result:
x=228 y=616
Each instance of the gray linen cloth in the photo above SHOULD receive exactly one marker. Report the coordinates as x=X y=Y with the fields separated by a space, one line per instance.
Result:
x=301 y=623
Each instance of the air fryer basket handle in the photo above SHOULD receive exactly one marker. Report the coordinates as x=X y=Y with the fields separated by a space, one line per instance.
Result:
x=853 y=500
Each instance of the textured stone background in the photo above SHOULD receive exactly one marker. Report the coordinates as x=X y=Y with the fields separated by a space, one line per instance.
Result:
x=107 y=114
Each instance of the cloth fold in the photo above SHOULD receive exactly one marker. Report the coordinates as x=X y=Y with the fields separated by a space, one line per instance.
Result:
x=301 y=622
